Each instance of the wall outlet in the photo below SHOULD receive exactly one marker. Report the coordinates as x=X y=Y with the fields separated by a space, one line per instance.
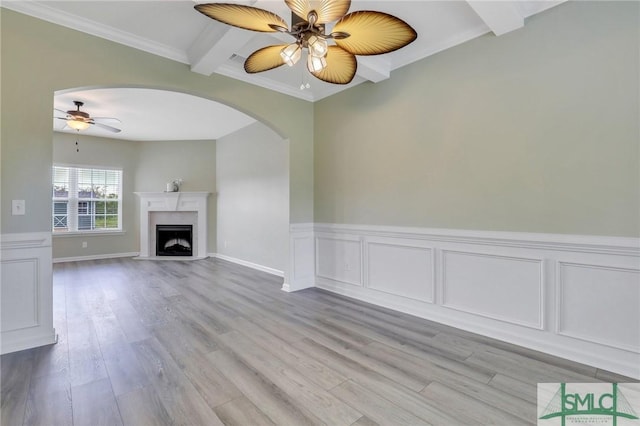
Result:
x=84 y=244
x=17 y=207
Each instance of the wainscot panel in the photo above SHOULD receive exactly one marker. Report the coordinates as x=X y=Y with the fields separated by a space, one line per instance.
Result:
x=339 y=258
x=573 y=296
x=26 y=291
x=300 y=273
x=402 y=267
x=586 y=292
x=504 y=288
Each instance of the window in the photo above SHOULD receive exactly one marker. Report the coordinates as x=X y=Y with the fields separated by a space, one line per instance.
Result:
x=86 y=200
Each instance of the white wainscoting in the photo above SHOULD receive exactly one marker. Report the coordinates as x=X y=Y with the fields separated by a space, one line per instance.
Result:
x=26 y=291
x=301 y=271
x=577 y=297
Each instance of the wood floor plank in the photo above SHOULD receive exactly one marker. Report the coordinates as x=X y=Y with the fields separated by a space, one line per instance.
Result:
x=365 y=421
x=178 y=395
x=85 y=358
x=317 y=372
x=214 y=387
x=242 y=412
x=124 y=369
x=475 y=343
x=525 y=368
x=469 y=408
x=371 y=379
x=275 y=403
x=94 y=404
x=108 y=330
x=213 y=342
x=422 y=345
x=306 y=393
x=143 y=407
x=493 y=396
x=424 y=367
x=55 y=409
x=515 y=387
x=51 y=359
x=374 y=407
x=49 y=400
x=130 y=323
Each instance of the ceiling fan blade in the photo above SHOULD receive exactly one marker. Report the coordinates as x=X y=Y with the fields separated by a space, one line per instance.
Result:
x=264 y=59
x=327 y=10
x=59 y=110
x=105 y=127
x=107 y=118
x=246 y=17
x=341 y=67
x=373 y=33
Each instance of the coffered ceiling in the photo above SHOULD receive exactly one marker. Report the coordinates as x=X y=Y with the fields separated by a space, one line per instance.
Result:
x=173 y=29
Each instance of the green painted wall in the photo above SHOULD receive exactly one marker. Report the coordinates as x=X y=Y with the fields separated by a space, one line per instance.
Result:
x=146 y=167
x=39 y=59
x=534 y=131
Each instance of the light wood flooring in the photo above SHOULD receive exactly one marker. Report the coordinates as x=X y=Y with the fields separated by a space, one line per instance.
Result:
x=210 y=342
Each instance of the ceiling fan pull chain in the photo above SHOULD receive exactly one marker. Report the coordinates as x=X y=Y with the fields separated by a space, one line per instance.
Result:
x=77 y=146
x=304 y=83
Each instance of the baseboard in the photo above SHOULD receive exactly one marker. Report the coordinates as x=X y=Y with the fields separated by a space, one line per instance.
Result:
x=14 y=344
x=248 y=264
x=94 y=257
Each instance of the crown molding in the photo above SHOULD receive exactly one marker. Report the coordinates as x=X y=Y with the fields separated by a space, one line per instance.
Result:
x=41 y=11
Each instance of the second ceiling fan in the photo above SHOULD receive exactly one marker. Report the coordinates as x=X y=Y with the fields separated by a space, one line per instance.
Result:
x=81 y=120
x=358 y=33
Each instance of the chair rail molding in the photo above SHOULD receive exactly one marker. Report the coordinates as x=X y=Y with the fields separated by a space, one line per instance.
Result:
x=573 y=296
x=26 y=291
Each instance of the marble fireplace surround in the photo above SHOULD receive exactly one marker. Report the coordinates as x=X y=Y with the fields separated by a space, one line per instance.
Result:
x=173 y=208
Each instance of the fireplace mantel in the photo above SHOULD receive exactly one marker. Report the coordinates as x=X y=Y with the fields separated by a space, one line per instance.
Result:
x=187 y=202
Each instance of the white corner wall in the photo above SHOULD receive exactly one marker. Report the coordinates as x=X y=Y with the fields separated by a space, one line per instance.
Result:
x=26 y=291
x=577 y=297
x=252 y=184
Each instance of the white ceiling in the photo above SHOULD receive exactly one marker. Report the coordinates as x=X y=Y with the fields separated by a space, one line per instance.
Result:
x=175 y=30
x=147 y=114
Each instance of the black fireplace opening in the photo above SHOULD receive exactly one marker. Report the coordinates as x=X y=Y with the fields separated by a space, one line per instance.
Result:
x=174 y=240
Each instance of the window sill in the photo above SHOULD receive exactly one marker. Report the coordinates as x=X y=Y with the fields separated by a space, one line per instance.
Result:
x=86 y=233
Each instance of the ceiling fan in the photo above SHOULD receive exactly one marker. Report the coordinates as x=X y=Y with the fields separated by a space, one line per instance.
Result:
x=80 y=120
x=362 y=32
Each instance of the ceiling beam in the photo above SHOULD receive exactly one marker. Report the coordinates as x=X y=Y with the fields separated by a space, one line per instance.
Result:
x=215 y=46
x=374 y=68
x=500 y=16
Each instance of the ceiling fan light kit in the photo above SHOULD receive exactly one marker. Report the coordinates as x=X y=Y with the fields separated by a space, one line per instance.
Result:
x=76 y=124
x=291 y=54
x=358 y=33
x=80 y=120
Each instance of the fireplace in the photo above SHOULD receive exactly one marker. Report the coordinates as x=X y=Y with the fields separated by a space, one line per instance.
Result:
x=176 y=208
x=174 y=240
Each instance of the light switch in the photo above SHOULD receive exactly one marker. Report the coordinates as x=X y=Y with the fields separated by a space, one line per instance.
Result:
x=17 y=207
